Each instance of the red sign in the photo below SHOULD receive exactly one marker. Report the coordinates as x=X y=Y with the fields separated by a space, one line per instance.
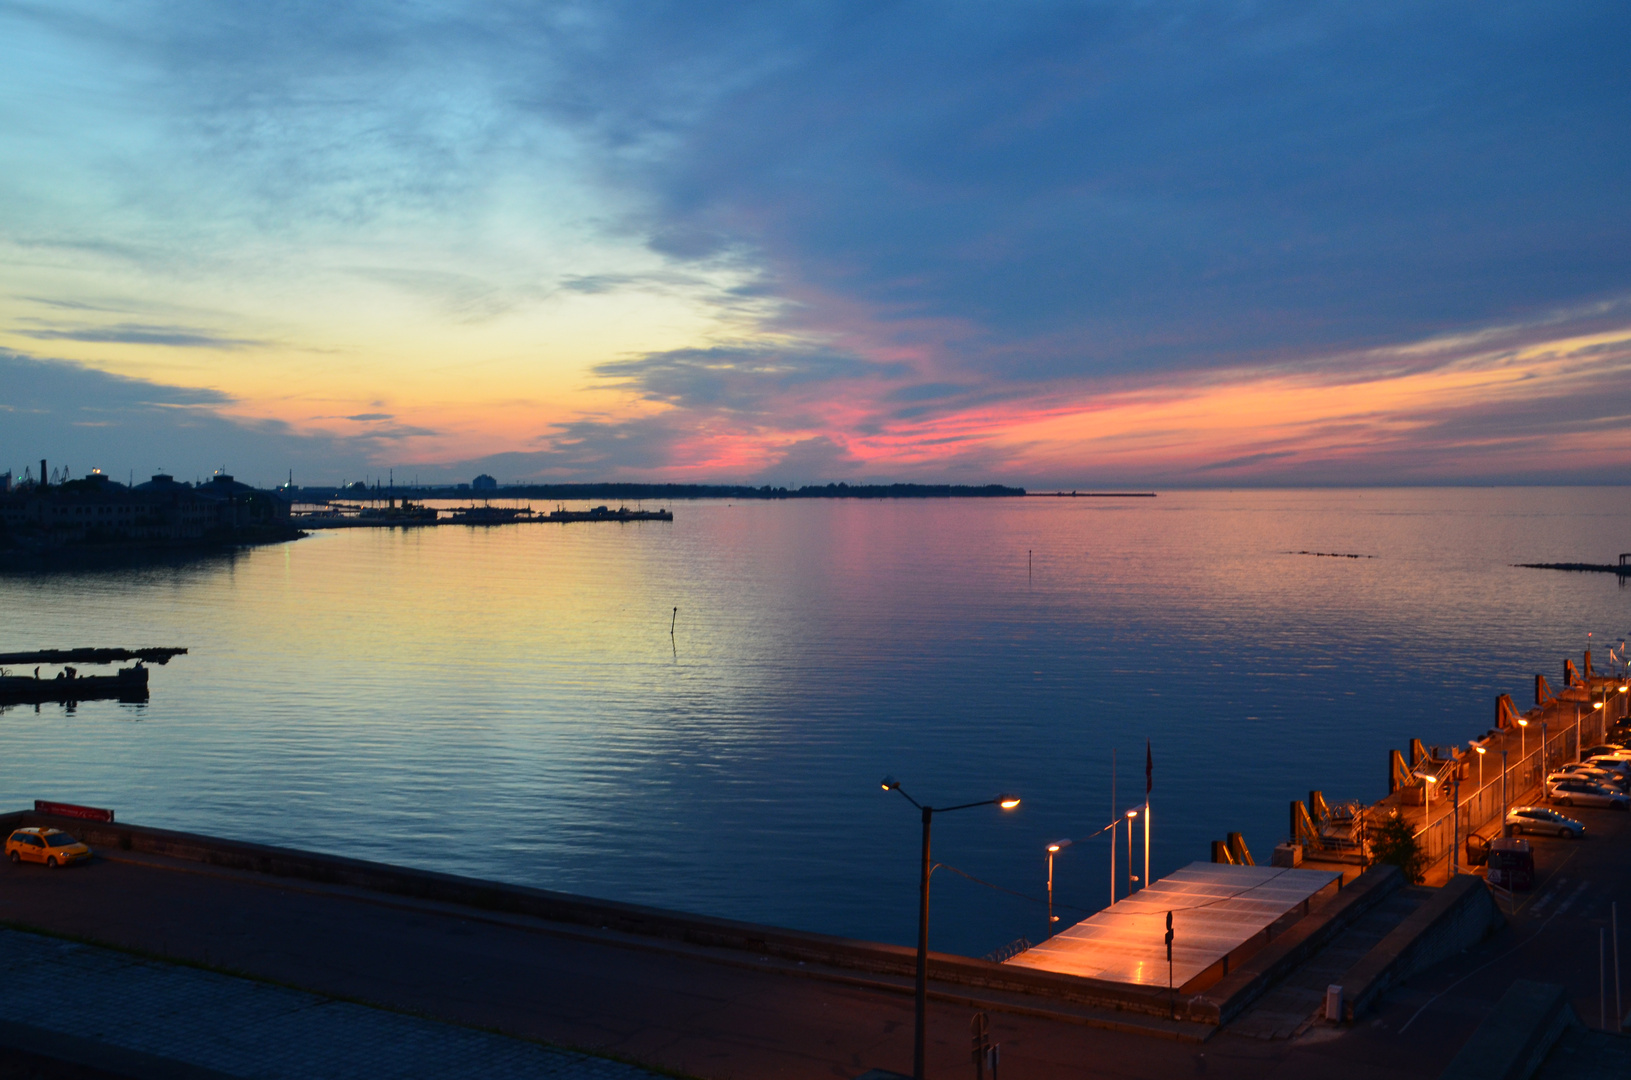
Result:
x=63 y=809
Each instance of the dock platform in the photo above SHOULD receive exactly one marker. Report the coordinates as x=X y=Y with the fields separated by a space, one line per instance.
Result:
x=1216 y=909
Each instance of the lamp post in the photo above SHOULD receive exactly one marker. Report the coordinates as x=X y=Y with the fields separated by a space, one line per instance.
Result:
x=1428 y=780
x=920 y=1045
x=1131 y=877
x=1481 y=752
x=1053 y=849
x=1505 y=807
x=1523 y=738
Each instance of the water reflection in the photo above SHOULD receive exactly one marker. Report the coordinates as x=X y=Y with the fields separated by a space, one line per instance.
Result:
x=381 y=692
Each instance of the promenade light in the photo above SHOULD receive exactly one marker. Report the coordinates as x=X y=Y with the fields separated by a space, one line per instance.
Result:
x=1053 y=849
x=921 y=1042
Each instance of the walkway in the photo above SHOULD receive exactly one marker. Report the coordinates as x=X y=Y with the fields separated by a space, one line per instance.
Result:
x=236 y=1027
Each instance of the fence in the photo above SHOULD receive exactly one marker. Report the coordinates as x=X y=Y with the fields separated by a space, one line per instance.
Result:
x=1556 y=736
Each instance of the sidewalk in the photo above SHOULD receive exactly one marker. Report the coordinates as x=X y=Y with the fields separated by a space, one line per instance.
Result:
x=90 y=1004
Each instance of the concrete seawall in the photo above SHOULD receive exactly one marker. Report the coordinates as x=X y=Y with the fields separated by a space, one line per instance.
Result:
x=1459 y=916
x=654 y=923
x=1456 y=917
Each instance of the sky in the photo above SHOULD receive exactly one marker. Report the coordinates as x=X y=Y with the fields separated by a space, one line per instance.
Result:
x=1060 y=245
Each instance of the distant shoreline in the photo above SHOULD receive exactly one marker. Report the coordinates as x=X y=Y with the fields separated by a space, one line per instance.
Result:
x=669 y=491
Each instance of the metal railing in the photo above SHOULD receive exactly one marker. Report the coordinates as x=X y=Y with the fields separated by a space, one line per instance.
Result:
x=1561 y=730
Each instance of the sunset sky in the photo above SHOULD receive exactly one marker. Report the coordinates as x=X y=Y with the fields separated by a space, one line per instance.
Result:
x=1050 y=244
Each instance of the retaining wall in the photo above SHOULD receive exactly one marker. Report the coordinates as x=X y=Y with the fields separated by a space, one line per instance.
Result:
x=566 y=908
x=1460 y=915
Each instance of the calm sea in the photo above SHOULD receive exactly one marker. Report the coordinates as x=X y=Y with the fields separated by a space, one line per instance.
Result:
x=509 y=703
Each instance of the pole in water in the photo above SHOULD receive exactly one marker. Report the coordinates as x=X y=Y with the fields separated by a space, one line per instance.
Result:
x=672 y=619
x=1027 y=564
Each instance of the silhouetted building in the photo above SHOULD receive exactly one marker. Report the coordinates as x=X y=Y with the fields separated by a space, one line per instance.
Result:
x=96 y=511
x=484 y=483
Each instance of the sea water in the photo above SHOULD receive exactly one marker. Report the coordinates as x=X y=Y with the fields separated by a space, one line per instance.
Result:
x=510 y=702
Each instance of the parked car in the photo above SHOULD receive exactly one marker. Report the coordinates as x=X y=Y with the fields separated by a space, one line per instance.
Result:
x=1543 y=821
x=1621 y=765
x=1581 y=770
x=1593 y=751
x=52 y=847
x=1571 y=792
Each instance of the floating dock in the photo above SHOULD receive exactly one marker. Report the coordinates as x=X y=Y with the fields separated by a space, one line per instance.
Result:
x=129 y=684
x=1217 y=911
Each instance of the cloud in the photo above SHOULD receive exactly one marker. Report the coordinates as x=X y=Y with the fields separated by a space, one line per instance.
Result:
x=818 y=459
x=81 y=417
x=914 y=237
x=141 y=334
x=743 y=378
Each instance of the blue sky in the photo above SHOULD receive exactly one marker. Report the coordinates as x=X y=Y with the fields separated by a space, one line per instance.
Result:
x=1047 y=243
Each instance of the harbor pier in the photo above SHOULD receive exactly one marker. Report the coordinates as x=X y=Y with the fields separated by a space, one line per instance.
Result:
x=1455 y=798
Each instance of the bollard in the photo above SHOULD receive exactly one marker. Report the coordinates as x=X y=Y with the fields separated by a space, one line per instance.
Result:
x=1333 y=1003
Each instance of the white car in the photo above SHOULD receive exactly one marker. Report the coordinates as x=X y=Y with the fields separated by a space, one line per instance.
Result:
x=1573 y=792
x=1582 y=771
x=1544 y=821
x=1615 y=763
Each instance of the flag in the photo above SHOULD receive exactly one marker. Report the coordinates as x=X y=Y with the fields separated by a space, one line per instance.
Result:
x=1149 y=770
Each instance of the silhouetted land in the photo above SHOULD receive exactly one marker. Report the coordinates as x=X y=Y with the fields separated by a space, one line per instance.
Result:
x=663 y=492
x=1622 y=569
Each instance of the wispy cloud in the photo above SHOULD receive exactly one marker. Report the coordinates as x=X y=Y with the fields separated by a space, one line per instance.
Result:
x=175 y=337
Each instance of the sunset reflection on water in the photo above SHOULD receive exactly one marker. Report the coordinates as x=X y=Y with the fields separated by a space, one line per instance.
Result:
x=390 y=694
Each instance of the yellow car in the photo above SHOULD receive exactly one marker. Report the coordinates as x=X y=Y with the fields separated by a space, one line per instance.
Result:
x=49 y=846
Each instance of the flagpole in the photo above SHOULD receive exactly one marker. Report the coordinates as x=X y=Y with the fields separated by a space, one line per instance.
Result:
x=1114 y=820
x=1149 y=782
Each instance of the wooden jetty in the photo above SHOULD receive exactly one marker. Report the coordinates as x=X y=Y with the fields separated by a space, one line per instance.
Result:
x=126 y=684
x=90 y=656
x=601 y=513
x=1622 y=569
x=476 y=515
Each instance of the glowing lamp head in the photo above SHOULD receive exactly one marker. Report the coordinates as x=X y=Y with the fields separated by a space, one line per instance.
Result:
x=1132 y=813
x=1481 y=749
x=1007 y=802
x=1052 y=848
x=890 y=783
x=1523 y=723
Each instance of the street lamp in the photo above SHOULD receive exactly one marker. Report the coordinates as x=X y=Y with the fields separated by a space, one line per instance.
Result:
x=1523 y=738
x=921 y=1043
x=1427 y=795
x=1053 y=849
x=1481 y=752
x=1131 y=877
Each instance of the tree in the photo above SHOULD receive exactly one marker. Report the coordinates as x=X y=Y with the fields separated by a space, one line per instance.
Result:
x=1395 y=843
